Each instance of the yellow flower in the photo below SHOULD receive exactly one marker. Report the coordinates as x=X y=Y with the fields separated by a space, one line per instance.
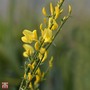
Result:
x=45 y=56
x=57 y=12
x=51 y=9
x=41 y=57
x=41 y=26
x=38 y=72
x=37 y=45
x=50 y=22
x=47 y=35
x=61 y=1
x=37 y=80
x=29 y=76
x=29 y=36
x=44 y=11
x=31 y=66
x=55 y=25
x=30 y=86
x=42 y=50
x=29 y=50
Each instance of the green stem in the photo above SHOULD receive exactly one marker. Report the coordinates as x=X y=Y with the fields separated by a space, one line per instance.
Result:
x=20 y=88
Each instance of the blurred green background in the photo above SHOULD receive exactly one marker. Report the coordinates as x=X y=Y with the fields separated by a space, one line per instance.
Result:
x=71 y=66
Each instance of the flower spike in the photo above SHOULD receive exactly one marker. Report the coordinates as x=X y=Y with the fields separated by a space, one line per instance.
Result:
x=36 y=47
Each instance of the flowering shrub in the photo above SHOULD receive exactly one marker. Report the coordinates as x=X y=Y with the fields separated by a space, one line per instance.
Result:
x=36 y=47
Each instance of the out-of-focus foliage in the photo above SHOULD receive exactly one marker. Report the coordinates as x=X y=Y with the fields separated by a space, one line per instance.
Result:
x=71 y=48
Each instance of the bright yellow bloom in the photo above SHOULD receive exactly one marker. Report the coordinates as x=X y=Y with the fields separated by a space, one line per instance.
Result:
x=37 y=79
x=31 y=66
x=41 y=75
x=44 y=11
x=37 y=45
x=55 y=25
x=41 y=27
x=29 y=76
x=41 y=57
x=29 y=36
x=45 y=56
x=61 y=1
x=57 y=12
x=38 y=72
x=47 y=35
x=29 y=50
x=50 y=22
x=51 y=9
x=30 y=86
x=42 y=50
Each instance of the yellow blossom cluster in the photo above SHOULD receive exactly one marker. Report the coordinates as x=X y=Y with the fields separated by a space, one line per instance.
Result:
x=36 y=47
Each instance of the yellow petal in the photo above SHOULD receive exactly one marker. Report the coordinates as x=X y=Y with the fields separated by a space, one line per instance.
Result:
x=37 y=45
x=47 y=35
x=51 y=9
x=24 y=39
x=45 y=56
x=29 y=50
x=31 y=66
x=30 y=86
x=50 y=22
x=29 y=76
x=34 y=35
x=38 y=72
x=25 y=54
x=37 y=80
x=40 y=56
x=41 y=26
x=26 y=32
x=42 y=50
x=61 y=1
x=44 y=11
x=57 y=12
x=55 y=25
x=29 y=36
